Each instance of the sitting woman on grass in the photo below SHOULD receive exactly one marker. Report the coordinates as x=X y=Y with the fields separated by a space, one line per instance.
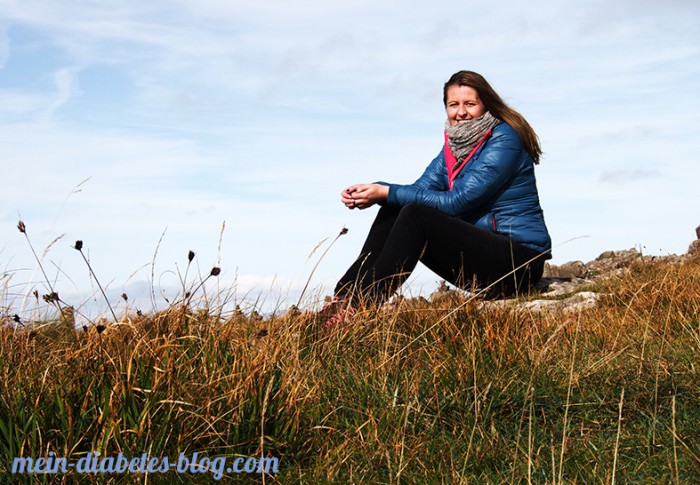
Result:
x=473 y=217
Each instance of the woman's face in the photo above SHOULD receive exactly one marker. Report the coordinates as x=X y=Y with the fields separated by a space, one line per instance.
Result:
x=463 y=103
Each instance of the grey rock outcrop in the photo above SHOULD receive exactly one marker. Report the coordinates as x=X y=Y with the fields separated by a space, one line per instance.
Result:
x=572 y=269
x=571 y=304
x=566 y=288
x=694 y=248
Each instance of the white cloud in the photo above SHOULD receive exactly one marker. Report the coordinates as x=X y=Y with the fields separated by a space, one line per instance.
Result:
x=64 y=81
x=628 y=176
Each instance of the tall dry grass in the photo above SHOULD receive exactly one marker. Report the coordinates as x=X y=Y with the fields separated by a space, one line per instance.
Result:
x=424 y=392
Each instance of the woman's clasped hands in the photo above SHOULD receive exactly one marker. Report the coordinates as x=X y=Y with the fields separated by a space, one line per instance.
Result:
x=362 y=196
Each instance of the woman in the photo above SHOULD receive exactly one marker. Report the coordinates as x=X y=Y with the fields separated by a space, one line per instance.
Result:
x=473 y=217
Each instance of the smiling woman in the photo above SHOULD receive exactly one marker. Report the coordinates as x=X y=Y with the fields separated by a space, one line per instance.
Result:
x=473 y=217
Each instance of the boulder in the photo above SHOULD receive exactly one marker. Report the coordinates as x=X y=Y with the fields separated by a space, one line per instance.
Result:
x=551 y=287
x=570 y=270
x=573 y=304
x=694 y=248
x=609 y=261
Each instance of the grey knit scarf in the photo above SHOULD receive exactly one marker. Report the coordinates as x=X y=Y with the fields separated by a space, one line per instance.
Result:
x=464 y=136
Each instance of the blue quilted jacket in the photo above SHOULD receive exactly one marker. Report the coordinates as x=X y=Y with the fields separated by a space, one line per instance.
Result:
x=496 y=190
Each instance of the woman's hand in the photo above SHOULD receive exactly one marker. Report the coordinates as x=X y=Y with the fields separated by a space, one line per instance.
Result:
x=346 y=196
x=363 y=196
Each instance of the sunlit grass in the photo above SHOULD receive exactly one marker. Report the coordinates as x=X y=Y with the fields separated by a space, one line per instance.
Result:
x=423 y=392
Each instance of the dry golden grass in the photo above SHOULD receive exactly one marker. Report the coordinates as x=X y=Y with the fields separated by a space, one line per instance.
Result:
x=423 y=392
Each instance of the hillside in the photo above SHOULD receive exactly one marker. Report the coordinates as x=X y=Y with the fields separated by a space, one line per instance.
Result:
x=445 y=390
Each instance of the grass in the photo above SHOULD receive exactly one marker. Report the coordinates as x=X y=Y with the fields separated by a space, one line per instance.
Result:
x=444 y=392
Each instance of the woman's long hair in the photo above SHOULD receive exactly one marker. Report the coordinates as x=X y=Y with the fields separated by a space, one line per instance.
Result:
x=493 y=103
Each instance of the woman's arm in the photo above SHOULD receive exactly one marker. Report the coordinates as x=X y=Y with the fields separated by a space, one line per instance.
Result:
x=365 y=195
x=495 y=166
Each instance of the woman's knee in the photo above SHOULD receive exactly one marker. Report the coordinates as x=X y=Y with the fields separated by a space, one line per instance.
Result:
x=417 y=211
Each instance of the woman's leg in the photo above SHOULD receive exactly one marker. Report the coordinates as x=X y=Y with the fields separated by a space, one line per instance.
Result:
x=466 y=255
x=454 y=249
x=378 y=234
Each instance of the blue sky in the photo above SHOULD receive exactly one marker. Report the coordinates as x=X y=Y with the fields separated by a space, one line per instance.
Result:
x=188 y=116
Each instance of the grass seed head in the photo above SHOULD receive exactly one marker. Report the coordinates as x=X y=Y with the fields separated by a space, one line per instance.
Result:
x=79 y=245
x=22 y=228
x=215 y=271
x=190 y=256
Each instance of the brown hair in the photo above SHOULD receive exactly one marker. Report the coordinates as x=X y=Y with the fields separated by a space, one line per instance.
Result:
x=493 y=103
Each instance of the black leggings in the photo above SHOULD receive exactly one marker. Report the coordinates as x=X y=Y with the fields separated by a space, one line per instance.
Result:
x=456 y=250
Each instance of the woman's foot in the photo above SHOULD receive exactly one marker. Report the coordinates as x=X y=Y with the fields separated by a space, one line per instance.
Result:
x=335 y=312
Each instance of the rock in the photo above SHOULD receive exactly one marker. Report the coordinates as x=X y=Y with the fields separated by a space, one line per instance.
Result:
x=581 y=301
x=556 y=287
x=572 y=269
x=446 y=296
x=694 y=248
x=609 y=261
x=573 y=304
x=293 y=311
x=399 y=302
